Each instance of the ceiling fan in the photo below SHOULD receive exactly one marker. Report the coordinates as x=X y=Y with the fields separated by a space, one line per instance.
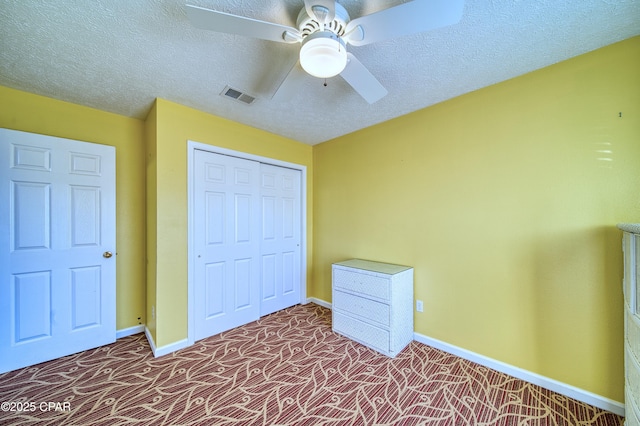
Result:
x=325 y=29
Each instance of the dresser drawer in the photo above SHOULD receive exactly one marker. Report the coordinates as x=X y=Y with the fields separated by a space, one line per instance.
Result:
x=631 y=415
x=632 y=332
x=366 y=308
x=361 y=283
x=367 y=334
x=632 y=373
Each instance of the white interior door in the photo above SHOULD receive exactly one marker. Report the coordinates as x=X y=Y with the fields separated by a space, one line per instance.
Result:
x=280 y=238
x=226 y=242
x=57 y=276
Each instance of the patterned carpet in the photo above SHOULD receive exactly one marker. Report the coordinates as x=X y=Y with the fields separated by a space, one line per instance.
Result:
x=289 y=368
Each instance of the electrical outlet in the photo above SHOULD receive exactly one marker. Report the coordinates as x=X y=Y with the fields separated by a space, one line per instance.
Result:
x=153 y=312
x=419 y=306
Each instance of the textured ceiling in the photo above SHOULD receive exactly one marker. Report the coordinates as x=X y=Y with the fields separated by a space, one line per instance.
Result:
x=119 y=55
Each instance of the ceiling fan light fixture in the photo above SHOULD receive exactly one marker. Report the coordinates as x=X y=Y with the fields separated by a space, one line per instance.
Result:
x=323 y=54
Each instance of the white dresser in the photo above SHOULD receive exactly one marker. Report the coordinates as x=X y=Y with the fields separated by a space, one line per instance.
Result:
x=631 y=288
x=373 y=304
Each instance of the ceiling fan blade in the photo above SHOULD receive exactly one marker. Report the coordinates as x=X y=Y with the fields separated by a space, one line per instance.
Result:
x=222 y=22
x=362 y=81
x=290 y=83
x=408 y=18
x=324 y=13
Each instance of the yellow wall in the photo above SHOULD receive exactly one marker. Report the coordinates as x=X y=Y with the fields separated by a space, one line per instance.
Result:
x=175 y=125
x=505 y=202
x=37 y=114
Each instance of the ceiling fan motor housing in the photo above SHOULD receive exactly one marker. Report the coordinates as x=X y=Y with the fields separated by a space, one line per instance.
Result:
x=309 y=25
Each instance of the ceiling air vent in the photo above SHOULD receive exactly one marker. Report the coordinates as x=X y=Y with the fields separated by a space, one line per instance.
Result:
x=238 y=95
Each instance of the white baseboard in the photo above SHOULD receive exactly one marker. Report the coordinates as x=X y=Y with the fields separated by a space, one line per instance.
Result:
x=545 y=382
x=129 y=331
x=150 y=340
x=318 y=302
x=167 y=349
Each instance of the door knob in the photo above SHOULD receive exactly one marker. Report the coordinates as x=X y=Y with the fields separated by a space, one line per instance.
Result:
x=107 y=254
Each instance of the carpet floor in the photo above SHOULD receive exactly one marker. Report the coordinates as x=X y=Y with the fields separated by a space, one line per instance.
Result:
x=288 y=368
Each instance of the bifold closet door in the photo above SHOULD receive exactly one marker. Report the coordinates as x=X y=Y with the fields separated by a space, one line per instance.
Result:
x=227 y=242
x=247 y=236
x=280 y=260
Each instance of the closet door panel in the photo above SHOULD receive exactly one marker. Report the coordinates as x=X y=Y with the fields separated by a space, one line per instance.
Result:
x=227 y=243
x=281 y=220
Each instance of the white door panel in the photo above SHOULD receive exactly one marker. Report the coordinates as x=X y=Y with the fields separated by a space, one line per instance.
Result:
x=57 y=291
x=281 y=238
x=226 y=243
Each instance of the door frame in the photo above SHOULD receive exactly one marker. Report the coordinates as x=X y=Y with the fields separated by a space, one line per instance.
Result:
x=192 y=146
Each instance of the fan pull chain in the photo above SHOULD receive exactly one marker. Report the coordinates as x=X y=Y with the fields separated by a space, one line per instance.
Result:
x=325 y=82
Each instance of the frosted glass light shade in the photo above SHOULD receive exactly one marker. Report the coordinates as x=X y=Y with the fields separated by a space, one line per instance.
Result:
x=323 y=54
